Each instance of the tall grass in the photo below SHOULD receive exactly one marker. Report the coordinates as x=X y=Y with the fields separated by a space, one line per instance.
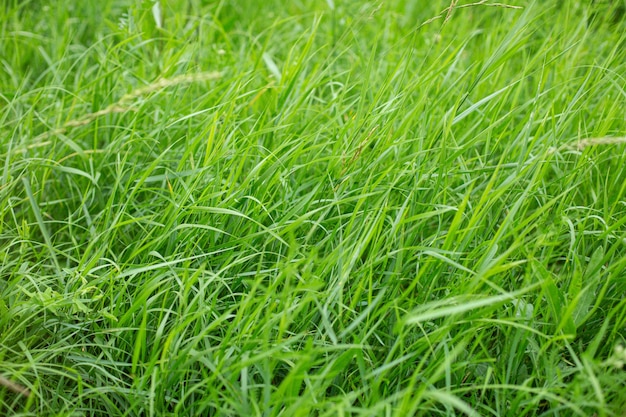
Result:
x=312 y=208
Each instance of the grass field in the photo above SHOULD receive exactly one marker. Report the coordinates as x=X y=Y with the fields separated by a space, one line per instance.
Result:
x=312 y=208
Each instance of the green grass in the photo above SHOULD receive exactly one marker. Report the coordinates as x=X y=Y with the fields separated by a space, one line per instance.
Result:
x=312 y=208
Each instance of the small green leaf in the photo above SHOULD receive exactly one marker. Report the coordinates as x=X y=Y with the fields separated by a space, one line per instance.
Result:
x=587 y=295
x=556 y=301
x=4 y=310
x=271 y=66
x=576 y=283
x=157 y=14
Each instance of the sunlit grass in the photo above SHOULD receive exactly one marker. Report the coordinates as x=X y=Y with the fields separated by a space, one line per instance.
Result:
x=312 y=208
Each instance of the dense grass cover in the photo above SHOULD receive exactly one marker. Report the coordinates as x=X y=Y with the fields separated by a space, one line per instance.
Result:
x=299 y=208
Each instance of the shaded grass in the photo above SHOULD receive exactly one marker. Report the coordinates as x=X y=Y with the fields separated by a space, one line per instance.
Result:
x=312 y=209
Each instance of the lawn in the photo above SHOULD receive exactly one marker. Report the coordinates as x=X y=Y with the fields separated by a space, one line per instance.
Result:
x=312 y=208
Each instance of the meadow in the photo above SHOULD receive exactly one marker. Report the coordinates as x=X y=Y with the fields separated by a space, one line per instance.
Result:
x=312 y=208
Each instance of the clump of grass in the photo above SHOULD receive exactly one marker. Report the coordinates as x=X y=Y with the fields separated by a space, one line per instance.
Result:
x=258 y=208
